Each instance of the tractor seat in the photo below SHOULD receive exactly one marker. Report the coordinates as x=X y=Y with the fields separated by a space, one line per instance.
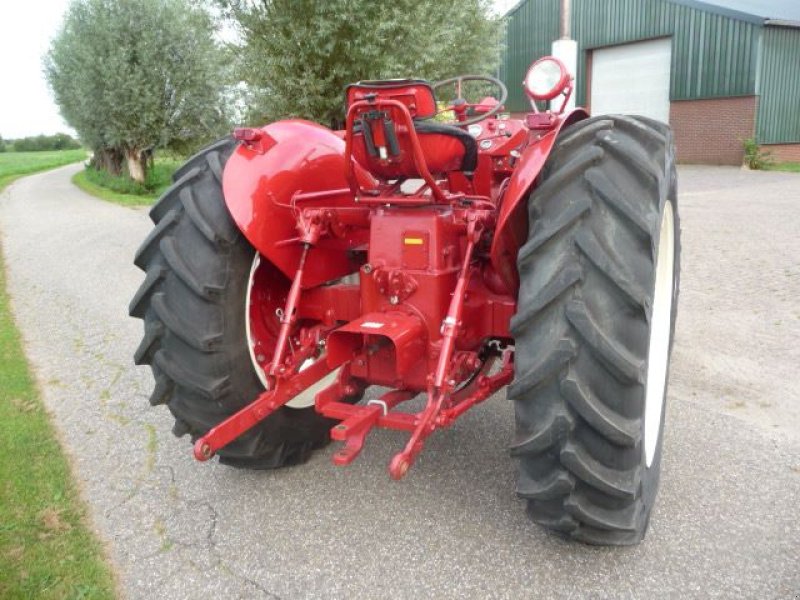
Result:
x=387 y=152
x=432 y=128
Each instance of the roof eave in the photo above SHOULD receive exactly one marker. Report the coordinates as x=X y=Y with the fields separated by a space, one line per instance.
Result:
x=720 y=10
x=782 y=23
x=708 y=7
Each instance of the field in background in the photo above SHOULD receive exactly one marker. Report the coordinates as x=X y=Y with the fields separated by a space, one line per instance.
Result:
x=14 y=165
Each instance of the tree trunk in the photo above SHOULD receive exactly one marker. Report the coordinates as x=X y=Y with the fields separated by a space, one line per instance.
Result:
x=137 y=166
x=149 y=158
x=108 y=159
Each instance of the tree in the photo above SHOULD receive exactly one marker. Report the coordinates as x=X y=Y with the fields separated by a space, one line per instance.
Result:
x=298 y=55
x=63 y=141
x=2 y=144
x=37 y=143
x=133 y=75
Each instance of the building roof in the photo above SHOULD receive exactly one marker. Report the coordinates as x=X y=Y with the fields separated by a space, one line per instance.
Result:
x=781 y=13
x=784 y=13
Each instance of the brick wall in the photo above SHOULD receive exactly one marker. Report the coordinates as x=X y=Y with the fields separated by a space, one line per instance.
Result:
x=711 y=131
x=783 y=152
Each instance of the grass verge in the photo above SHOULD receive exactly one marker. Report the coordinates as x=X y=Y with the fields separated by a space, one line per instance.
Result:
x=122 y=189
x=46 y=548
x=14 y=165
x=789 y=167
x=82 y=181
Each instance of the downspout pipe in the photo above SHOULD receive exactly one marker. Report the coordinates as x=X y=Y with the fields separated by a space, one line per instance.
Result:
x=566 y=49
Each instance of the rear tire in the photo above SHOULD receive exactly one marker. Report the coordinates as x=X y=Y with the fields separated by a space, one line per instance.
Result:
x=192 y=301
x=588 y=466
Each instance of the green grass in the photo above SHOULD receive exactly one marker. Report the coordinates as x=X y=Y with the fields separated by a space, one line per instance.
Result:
x=81 y=180
x=122 y=189
x=790 y=167
x=46 y=548
x=14 y=165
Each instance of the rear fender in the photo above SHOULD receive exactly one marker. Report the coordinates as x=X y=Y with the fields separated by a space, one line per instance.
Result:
x=260 y=180
x=512 y=223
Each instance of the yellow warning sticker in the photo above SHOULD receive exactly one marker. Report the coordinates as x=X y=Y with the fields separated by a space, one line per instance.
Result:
x=413 y=241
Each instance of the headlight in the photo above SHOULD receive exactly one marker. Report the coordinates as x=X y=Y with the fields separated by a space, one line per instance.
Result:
x=546 y=79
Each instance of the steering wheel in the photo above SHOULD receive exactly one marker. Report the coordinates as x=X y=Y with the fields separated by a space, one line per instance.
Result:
x=462 y=106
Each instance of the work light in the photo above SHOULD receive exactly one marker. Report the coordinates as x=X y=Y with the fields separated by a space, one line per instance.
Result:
x=546 y=79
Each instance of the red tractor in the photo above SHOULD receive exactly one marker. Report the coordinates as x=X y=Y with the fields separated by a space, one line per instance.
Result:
x=292 y=267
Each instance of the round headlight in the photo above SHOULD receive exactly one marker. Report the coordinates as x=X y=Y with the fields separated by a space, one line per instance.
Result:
x=546 y=79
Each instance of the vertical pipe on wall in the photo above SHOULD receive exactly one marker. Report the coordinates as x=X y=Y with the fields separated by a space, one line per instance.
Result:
x=566 y=16
x=566 y=50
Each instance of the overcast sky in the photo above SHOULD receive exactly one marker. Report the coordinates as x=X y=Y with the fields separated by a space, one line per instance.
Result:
x=26 y=28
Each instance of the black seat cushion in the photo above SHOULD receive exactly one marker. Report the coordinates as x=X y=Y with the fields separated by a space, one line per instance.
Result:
x=470 y=145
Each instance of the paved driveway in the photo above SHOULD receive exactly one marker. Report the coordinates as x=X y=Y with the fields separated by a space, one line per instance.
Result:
x=726 y=524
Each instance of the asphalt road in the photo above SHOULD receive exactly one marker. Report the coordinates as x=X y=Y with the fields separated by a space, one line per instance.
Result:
x=726 y=523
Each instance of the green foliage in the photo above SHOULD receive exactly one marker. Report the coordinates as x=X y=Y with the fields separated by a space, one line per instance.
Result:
x=298 y=55
x=16 y=164
x=755 y=157
x=158 y=179
x=39 y=143
x=2 y=144
x=46 y=548
x=133 y=75
x=81 y=180
x=122 y=189
x=787 y=167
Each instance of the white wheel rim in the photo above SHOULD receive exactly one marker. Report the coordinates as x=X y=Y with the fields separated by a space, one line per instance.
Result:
x=661 y=322
x=304 y=399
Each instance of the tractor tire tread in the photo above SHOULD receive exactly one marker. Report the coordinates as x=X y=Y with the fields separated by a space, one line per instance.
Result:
x=162 y=390
x=613 y=354
x=141 y=299
x=556 y=485
x=144 y=255
x=612 y=425
x=170 y=198
x=580 y=373
x=214 y=232
x=192 y=303
x=218 y=149
x=548 y=434
x=147 y=347
x=190 y=331
x=549 y=367
x=181 y=268
x=211 y=388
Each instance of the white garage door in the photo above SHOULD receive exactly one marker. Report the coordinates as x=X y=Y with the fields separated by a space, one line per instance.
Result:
x=632 y=79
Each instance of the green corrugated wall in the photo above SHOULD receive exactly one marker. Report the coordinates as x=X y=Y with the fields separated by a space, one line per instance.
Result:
x=712 y=56
x=530 y=33
x=778 y=119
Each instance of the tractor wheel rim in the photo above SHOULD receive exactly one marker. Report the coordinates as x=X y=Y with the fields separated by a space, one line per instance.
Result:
x=661 y=326
x=304 y=399
x=251 y=341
